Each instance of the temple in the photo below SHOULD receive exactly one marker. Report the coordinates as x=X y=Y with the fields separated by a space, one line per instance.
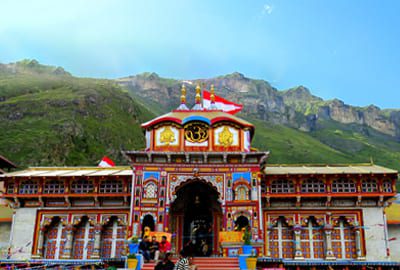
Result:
x=200 y=180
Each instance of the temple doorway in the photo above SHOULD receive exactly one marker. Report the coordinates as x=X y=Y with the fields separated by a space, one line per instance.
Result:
x=196 y=217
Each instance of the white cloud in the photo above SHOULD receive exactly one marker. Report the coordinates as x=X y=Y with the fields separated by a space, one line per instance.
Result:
x=267 y=9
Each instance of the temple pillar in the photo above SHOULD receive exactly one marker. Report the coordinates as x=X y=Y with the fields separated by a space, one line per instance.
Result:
x=68 y=242
x=328 y=243
x=359 y=252
x=298 y=254
x=97 y=241
x=267 y=236
x=39 y=249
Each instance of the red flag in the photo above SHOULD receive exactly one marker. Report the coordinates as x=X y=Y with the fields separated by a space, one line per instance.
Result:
x=106 y=162
x=221 y=103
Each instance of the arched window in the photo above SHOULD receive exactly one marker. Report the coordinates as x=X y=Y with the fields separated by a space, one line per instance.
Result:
x=54 y=239
x=282 y=186
x=113 y=239
x=83 y=240
x=369 y=185
x=28 y=187
x=82 y=186
x=281 y=240
x=343 y=241
x=312 y=240
x=111 y=186
x=150 y=191
x=53 y=187
x=313 y=185
x=387 y=186
x=241 y=193
x=343 y=185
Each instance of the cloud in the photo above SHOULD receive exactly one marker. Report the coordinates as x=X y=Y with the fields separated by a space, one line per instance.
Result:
x=267 y=9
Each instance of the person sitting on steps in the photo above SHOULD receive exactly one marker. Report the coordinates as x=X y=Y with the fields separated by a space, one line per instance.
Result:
x=144 y=248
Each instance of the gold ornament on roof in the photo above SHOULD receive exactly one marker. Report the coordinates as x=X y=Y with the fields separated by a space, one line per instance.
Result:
x=198 y=94
x=183 y=94
x=225 y=137
x=167 y=136
x=196 y=132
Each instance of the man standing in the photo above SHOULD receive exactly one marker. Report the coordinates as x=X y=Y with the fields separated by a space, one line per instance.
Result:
x=154 y=249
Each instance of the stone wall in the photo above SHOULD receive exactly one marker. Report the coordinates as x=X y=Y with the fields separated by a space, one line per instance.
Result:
x=394 y=245
x=374 y=234
x=22 y=235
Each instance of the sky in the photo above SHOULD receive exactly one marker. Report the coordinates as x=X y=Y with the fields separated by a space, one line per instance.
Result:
x=338 y=49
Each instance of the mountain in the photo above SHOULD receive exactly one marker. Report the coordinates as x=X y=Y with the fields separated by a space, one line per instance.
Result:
x=48 y=117
x=295 y=125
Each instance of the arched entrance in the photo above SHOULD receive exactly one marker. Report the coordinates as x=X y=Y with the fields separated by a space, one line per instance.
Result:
x=196 y=216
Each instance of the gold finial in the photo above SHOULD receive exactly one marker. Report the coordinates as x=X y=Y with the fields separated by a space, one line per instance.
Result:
x=183 y=94
x=212 y=96
x=198 y=91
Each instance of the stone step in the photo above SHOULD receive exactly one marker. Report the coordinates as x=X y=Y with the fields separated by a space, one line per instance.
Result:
x=206 y=263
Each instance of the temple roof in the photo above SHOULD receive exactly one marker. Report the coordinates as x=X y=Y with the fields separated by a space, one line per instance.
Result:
x=327 y=169
x=5 y=213
x=208 y=116
x=5 y=163
x=393 y=211
x=71 y=171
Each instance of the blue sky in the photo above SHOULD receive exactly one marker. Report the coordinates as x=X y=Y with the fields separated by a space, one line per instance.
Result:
x=344 y=49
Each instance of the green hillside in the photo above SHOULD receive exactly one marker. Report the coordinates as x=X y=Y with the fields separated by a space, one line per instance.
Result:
x=52 y=118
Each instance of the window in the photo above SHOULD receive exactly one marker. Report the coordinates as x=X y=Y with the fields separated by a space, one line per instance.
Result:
x=281 y=240
x=28 y=187
x=53 y=187
x=343 y=185
x=150 y=191
x=313 y=185
x=10 y=188
x=82 y=186
x=343 y=241
x=312 y=240
x=282 y=186
x=241 y=193
x=111 y=186
x=387 y=186
x=369 y=185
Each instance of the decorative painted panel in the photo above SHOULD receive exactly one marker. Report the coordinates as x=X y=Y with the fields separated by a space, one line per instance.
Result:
x=226 y=136
x=167 y=136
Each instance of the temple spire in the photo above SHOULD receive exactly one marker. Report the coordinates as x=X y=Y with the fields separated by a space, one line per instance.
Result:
x=197 y=106
x=212 y=99
x=183 y=106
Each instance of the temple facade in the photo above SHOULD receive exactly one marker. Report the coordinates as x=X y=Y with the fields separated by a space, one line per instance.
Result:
x=200 y=180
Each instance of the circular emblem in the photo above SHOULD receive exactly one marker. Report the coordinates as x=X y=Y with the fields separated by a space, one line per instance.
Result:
x=196 y=132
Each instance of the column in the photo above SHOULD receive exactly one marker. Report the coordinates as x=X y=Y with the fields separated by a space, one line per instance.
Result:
x=267 y=235
x=328 y=240
x=298 y=255
x=97 y=241
x=359 y=252
x=68 y=242
x=39 y=250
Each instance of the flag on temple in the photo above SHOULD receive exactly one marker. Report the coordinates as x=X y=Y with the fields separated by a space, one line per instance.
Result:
x=106 y=162
x=221 y=103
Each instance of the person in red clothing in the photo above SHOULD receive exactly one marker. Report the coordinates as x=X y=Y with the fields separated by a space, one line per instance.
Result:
x=164 y=246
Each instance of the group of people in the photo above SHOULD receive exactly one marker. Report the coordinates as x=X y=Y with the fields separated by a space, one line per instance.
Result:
x=151 y=249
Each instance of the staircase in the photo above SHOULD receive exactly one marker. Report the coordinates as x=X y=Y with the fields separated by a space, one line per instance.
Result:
x=207 y=263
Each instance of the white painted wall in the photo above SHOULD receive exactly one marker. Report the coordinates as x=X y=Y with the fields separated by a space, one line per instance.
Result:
x=394 y=245
x=22 y=233
x=374 y=234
